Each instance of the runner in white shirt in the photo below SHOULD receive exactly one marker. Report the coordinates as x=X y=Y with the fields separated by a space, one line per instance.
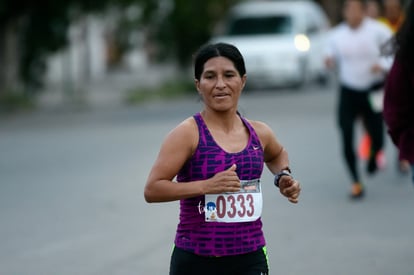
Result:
x=354 y=49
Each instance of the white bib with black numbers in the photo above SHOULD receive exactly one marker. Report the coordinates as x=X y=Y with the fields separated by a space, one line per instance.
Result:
x=243 y=206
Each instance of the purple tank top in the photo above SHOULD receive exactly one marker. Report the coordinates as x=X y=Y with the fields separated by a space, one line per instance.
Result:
x=196 y=235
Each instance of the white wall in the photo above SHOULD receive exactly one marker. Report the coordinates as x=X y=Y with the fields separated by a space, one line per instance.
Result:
x=85 y=57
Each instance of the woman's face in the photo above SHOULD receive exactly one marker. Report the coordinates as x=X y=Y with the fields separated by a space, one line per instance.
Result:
x=220 y=84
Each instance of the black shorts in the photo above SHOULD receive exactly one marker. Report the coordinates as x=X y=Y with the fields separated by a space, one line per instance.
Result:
x=187 y=263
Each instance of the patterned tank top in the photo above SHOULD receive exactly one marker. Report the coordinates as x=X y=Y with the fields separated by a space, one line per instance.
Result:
x=196 y=235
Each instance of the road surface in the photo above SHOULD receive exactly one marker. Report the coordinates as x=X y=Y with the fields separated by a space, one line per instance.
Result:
x=71 y=193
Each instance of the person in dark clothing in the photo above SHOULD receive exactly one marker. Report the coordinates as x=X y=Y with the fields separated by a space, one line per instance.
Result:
x=354 y=48
x=399 y=90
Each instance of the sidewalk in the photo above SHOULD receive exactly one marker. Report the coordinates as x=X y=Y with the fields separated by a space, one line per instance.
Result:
x=107 y=92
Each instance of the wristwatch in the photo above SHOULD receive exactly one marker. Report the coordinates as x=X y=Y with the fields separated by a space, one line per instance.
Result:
x=284 y=172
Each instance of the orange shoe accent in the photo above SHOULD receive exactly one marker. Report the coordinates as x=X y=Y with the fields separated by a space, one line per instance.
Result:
x=357 y=191
x=364 y=148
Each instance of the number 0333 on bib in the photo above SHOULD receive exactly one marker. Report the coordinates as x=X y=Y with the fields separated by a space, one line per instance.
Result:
x=243 y=206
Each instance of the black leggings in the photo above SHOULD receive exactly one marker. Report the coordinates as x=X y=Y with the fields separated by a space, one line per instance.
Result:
x=353 y=105
x=187 y=263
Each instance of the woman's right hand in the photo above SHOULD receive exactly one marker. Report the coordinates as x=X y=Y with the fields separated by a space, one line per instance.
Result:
x=223 y=182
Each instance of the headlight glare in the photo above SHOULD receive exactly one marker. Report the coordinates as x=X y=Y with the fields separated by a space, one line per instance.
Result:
x=302 y=43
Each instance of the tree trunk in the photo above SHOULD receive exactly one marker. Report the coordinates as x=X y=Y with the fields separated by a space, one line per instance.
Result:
x=9 y=57
x=2 y=60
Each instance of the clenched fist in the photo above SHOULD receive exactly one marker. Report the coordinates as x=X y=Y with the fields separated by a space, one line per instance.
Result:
x=290 y=188
x=222 y=182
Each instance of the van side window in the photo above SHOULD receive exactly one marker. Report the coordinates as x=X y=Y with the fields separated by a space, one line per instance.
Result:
x=275 y=24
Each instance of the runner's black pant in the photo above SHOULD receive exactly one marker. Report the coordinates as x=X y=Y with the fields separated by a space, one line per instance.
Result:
x=187 y=263
x=355 y=104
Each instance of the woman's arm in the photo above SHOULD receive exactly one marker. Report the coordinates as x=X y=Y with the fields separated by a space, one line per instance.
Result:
x=177 y=148
x=277 y=159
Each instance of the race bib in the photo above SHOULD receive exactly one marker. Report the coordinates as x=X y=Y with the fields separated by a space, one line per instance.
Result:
x=243 y=206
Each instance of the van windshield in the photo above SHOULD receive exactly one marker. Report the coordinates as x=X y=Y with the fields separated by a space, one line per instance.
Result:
x=275 y=24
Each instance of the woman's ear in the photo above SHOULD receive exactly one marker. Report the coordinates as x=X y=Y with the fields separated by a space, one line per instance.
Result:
x=197 y=84
x=244 y=79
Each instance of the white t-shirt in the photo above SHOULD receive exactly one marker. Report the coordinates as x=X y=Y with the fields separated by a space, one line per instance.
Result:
x=356 y=51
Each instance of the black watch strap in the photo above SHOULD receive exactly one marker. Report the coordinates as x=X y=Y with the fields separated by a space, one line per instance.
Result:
x=283 y=172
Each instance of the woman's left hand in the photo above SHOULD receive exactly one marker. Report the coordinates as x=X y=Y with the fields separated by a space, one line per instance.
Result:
x=290 y=188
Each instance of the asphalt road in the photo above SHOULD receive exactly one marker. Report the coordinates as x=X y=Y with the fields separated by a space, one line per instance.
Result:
x=71 y=193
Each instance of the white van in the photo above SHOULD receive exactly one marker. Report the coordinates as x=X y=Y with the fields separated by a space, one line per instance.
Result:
x=281 y=41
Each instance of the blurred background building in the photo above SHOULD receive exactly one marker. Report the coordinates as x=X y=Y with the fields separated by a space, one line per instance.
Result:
x=66 y=45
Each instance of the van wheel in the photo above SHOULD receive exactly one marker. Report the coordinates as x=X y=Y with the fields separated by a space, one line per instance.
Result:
x=322 y=79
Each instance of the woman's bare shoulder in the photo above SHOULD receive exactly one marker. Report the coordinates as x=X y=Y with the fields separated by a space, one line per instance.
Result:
x=260 y=127
x=184 y=134
x=264 y=132
x=186 y=127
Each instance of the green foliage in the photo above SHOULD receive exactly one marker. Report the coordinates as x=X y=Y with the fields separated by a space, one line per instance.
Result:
x=189 y=25
x=43 y=31
x=11 y=102
x=43 y=26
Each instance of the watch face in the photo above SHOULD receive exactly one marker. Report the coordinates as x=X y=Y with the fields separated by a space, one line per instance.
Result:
x=279 y=175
